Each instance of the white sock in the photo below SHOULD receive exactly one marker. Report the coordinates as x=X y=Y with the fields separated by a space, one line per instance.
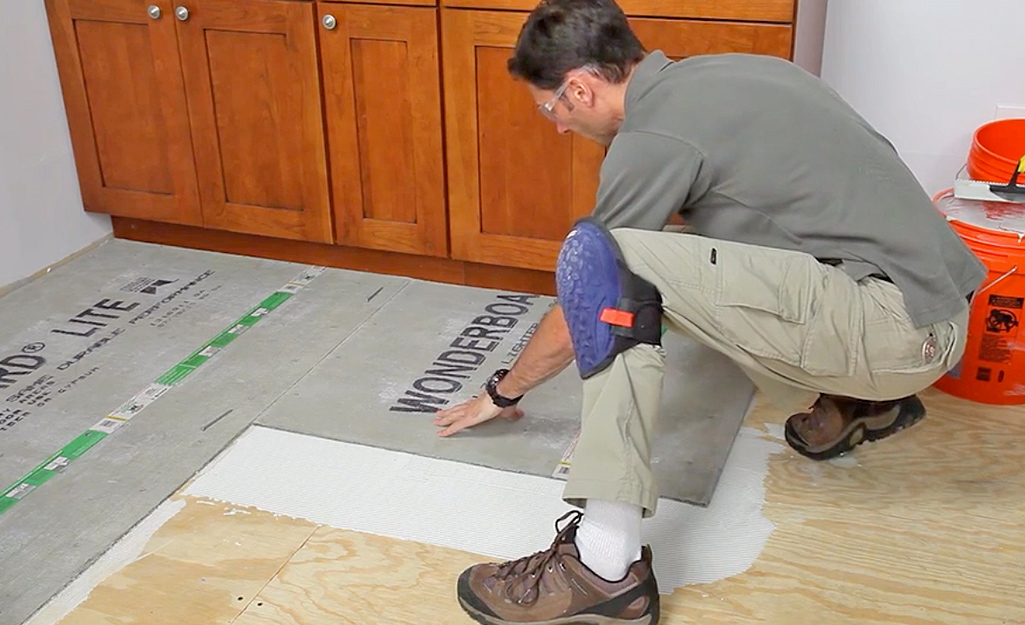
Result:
x=609 y=537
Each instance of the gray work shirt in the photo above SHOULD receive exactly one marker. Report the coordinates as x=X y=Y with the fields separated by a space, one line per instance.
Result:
x=754 y=149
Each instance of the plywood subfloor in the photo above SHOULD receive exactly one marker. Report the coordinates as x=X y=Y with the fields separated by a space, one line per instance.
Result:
x=927 y=527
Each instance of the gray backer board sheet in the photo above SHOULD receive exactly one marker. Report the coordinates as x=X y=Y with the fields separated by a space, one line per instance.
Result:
x=58 y=529
x=434 y=345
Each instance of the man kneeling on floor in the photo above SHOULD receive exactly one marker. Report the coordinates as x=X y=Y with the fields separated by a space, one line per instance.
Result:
x=816 y=263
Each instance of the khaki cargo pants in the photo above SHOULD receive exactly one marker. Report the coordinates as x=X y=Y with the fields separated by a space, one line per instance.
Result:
x=795 y=326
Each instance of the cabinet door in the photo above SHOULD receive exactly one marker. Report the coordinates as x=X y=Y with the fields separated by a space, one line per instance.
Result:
x=382 y=94
x=122 y=83
x=515 y=184
x=253 y=87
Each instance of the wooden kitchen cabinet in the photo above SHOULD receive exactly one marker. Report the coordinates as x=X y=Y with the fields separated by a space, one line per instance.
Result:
x=205 y=112
x=382 y=93
x=380 y=135
x=126 y=108
x=253 y=87
x=515 y=185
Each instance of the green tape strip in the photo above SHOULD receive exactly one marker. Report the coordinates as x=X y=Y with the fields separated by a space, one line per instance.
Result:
x=59 y=461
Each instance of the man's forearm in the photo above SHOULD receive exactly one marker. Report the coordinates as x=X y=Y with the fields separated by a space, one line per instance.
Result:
x=546 y=354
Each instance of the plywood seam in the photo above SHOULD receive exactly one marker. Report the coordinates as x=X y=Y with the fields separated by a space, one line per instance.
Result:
x=285 y=562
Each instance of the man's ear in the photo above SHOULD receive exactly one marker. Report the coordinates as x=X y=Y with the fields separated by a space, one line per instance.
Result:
x=581 y=89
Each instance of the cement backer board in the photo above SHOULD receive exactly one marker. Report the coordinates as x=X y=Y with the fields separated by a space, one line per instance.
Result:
x=382 y=386
x=55 y=532
x=81 y=340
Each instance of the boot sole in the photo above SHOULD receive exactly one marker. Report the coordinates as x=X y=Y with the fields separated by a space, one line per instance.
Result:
x=860 y=431
x=582 y=619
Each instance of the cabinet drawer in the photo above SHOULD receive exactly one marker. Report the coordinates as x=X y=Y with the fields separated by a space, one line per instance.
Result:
x=415 y=3
x=683 y=38
x=749 y=10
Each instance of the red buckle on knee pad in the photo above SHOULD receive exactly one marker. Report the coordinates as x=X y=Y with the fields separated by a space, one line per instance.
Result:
x=615 y=317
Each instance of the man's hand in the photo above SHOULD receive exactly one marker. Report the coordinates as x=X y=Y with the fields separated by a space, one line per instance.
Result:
x=547 y=353
x=472 y=412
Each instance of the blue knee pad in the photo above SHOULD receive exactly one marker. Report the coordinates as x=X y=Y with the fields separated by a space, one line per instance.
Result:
x=608 y=308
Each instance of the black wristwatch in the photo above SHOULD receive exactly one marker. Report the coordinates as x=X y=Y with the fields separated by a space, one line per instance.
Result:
x=491 y=386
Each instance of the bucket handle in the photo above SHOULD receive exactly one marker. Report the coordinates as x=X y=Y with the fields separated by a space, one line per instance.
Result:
x=992 y=284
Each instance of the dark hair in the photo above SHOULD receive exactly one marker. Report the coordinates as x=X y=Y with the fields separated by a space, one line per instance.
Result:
x=562 y=35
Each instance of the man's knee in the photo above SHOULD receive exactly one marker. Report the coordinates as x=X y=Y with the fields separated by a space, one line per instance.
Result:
x=607 y=307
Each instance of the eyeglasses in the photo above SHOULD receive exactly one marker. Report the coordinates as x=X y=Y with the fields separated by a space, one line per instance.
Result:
x=548 y=108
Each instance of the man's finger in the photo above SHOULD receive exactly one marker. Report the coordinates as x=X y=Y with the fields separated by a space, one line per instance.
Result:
x=456 y=427
x=451 y=410
x=450 y=417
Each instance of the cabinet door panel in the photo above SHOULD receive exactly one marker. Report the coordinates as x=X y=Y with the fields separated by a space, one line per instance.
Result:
x=122 y=83
x=383 y=101
x=515 y=184
x=252 y=80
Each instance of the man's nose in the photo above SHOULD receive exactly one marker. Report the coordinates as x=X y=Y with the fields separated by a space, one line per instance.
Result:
x=562 y=128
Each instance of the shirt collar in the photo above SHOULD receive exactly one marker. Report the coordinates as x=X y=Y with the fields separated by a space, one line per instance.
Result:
x=649 y=67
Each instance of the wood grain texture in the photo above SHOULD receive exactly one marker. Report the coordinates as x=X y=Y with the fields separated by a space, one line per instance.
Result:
x=122 y=87
x=423 y=3
x=130 y=137
x=382 y=89
x=251 y=75
x=525 y=189
x=205 y=565
x=754 y=10
x=509 y=279
x=515 y=184
x=357 y=578
x=924 y=528
x=684 y=38
x=342 y=257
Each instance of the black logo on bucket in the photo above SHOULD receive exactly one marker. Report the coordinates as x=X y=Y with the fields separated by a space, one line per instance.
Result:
x=1000 y=320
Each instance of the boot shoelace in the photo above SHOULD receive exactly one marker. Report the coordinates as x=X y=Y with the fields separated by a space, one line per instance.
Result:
x=531 y=569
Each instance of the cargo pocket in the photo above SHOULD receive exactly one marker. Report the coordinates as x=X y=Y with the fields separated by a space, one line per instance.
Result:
x=894 y=346
x=763 y=302
x=772 y=304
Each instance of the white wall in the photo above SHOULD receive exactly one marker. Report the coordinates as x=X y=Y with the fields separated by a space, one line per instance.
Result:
x=809 y=34
x=927 y=73
x=41 y=216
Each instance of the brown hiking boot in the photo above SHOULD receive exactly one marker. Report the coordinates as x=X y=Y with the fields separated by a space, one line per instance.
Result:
x=553 y=587
x=836 y=425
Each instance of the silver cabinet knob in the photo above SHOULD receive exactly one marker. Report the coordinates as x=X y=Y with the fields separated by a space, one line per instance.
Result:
x=181 y=13
x=154 y=11
x=330 y=22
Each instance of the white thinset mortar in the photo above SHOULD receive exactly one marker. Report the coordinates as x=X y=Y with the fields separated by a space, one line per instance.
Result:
x=494 y=513
x=497 y=514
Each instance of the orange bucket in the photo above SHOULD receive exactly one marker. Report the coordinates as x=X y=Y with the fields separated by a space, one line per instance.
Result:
x=997 y=148
x=992 y=370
